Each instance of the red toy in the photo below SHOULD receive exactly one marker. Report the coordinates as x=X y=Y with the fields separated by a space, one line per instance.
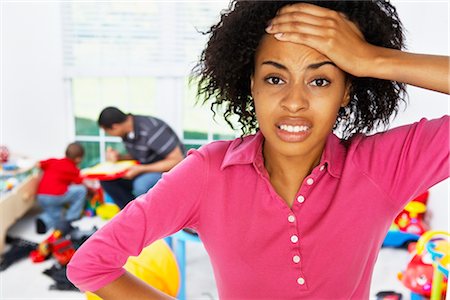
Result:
x=418 y=276
x=4 y=154
x=61 y=249
x=411 y=219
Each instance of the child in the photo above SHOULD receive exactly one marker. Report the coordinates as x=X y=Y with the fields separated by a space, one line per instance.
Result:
x=61 y=187
x=291 y=212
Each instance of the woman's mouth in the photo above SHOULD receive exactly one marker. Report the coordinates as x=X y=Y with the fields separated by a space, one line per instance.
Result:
x=293 y=133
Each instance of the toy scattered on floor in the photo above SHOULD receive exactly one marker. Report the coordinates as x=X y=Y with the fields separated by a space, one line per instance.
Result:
x=409 y=225
x=58 y=274
x=55 y=245
x=10 y=183
x=4 y=154
x=107 y=211
x=20 y=249
x=427 y=273
x=157 y=266
x=388 y=295
x=94 y=202
x=61 y=244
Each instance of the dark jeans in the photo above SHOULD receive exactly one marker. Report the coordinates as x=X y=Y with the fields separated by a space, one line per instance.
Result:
x=123 y=191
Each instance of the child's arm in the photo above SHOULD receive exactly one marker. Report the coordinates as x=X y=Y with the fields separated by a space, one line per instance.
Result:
x=332 y=34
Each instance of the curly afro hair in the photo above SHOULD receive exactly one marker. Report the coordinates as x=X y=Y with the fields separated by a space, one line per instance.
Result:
x=227 y=62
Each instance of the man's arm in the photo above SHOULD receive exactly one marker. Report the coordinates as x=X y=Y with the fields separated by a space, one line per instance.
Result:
x=164 y=165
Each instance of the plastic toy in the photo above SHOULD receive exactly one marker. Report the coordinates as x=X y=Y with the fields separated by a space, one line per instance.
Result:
x=388 y=295
x=10 y=183
x=93 y=203
x=429 y=265
x=108 y=170
x=61 y=249
x=107 y=211
x=157 y=266
x=177 y=242
x=409 y=225
x=4 y=154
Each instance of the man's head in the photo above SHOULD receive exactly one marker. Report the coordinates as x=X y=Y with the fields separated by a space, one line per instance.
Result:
x=114 y=121
x=75 y=152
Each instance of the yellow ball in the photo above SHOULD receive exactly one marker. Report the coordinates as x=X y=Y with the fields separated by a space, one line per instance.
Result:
x=157 y=266
x=107 y=210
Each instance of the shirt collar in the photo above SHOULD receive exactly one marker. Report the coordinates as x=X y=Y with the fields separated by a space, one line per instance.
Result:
x=248 y=150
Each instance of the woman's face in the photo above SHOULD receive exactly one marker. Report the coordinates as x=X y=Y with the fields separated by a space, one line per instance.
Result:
x=297 y=93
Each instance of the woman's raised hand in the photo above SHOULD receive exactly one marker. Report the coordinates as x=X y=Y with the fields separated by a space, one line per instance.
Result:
x=327 y=31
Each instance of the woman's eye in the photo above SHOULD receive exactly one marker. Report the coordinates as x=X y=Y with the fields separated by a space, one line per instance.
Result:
x=320 y=82
x=274 y=80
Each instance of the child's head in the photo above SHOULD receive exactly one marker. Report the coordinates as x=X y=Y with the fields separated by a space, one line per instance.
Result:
x=75 y=152
x=227 y=63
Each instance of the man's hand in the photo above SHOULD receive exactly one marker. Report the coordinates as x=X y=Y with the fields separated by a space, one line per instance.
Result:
x=134 y=171
x=112 y=155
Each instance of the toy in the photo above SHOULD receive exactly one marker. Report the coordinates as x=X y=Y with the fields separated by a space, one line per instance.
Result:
x=10 y=183
x=108 y=170
x=437 y=243
x=61 y=249
x=424 y=273
x=388 y=295
x=157 y=266
x=94 y=202
x=107 y=210
x=4 y=154
x=409 y=224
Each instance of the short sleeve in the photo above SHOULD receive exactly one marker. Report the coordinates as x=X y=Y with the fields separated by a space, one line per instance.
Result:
x=408 y=160
x=167 y=208
x=43 y=164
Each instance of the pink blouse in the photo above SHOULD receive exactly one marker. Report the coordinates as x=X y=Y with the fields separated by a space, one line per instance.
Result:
x=324 y=247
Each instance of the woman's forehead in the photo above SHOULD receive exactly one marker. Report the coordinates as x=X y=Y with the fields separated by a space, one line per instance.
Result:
x=286 y=52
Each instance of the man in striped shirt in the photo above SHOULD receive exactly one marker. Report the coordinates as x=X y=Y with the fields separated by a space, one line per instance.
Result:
x=148 y=140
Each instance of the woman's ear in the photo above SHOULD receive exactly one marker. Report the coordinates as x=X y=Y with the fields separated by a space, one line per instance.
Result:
x=346 y=97
x=251 y=84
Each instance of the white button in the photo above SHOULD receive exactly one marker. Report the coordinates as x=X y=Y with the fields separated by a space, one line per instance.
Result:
x=309 y=181
x=294 y=239
x=291 y=219
x=322 y=168
x=301 y=199
x=296 y=259
x=301 y=281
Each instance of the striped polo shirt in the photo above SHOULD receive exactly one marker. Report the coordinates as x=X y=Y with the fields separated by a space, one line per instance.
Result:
x=152 y=140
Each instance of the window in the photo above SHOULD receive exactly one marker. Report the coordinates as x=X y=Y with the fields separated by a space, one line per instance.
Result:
x=137 y=56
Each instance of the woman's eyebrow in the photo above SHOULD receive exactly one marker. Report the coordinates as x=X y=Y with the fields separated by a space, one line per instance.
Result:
x=275 y=64
x=309 y=67
x=318 y=65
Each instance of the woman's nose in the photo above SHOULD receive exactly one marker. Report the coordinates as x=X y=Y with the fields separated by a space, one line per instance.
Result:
x=295 y=100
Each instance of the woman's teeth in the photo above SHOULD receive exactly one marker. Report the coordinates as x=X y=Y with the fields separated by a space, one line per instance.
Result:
x=294 y=129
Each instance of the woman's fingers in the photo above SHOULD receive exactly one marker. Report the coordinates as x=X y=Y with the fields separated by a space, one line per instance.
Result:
x=296 y=29
x=329 y=32
x=309 y=9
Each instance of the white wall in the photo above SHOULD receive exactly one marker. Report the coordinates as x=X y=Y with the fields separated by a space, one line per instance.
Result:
x=427 y=25
x=34 y=111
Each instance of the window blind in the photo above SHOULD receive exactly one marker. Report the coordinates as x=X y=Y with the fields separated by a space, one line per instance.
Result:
x=135 y=38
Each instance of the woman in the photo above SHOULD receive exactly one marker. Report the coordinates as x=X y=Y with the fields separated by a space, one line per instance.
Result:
x=291 y=212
